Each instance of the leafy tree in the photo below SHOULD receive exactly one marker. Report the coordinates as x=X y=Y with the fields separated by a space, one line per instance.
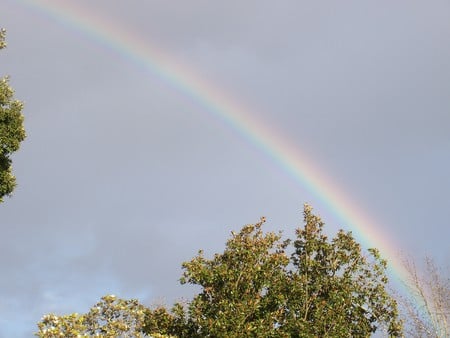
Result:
x=111 y=317
x=159 y=322
x=333 y=289
x=256 y=289
x=11 y=130
x=428 y=313
x=240 y=288
x=71 y=326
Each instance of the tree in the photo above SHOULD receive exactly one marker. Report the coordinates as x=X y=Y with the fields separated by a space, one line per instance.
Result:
x=255 y=289
x=12 y=132
x=111 y=317
x=241 y=288
x=262 y=286
x=334 y=290
x=428 y=313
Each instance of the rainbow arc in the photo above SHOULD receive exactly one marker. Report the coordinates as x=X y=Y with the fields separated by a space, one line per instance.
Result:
x=287 y=156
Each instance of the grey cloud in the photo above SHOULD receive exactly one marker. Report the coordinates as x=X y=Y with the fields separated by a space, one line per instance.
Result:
x=122 y=178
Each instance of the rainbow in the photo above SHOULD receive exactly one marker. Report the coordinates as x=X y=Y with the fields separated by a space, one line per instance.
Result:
x=286 y=155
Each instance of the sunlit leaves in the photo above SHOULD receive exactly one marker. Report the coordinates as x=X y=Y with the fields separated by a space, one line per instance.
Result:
x=335 y=287
x=240 y=287
x=111 y=317
x=12 y=132
x=323 y=289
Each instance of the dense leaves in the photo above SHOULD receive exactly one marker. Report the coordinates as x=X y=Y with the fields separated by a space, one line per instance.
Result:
x=322 y=289
x=12 y=132
x=111 y=317
x=241 y=288
x=333 y=289
x=261 y=286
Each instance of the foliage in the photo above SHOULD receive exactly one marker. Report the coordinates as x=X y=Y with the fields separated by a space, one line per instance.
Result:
x=52 y=326
x=256 y=289
x=260 y=286
x=428 y=314
x=12 y=132
x=161 y=323
x=111 y=317
x=240 y=288
x=334 y=290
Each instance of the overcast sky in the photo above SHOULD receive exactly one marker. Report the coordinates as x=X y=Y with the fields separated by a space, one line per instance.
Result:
x=122 y=177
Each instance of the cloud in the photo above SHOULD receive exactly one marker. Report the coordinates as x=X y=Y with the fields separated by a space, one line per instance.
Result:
x=122 y=178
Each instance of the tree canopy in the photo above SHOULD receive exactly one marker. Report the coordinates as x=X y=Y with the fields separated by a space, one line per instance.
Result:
x=12 y=132
x=109 y=318
x=264 y=286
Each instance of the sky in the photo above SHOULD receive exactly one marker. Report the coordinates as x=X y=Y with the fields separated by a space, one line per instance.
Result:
x=125 y=174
